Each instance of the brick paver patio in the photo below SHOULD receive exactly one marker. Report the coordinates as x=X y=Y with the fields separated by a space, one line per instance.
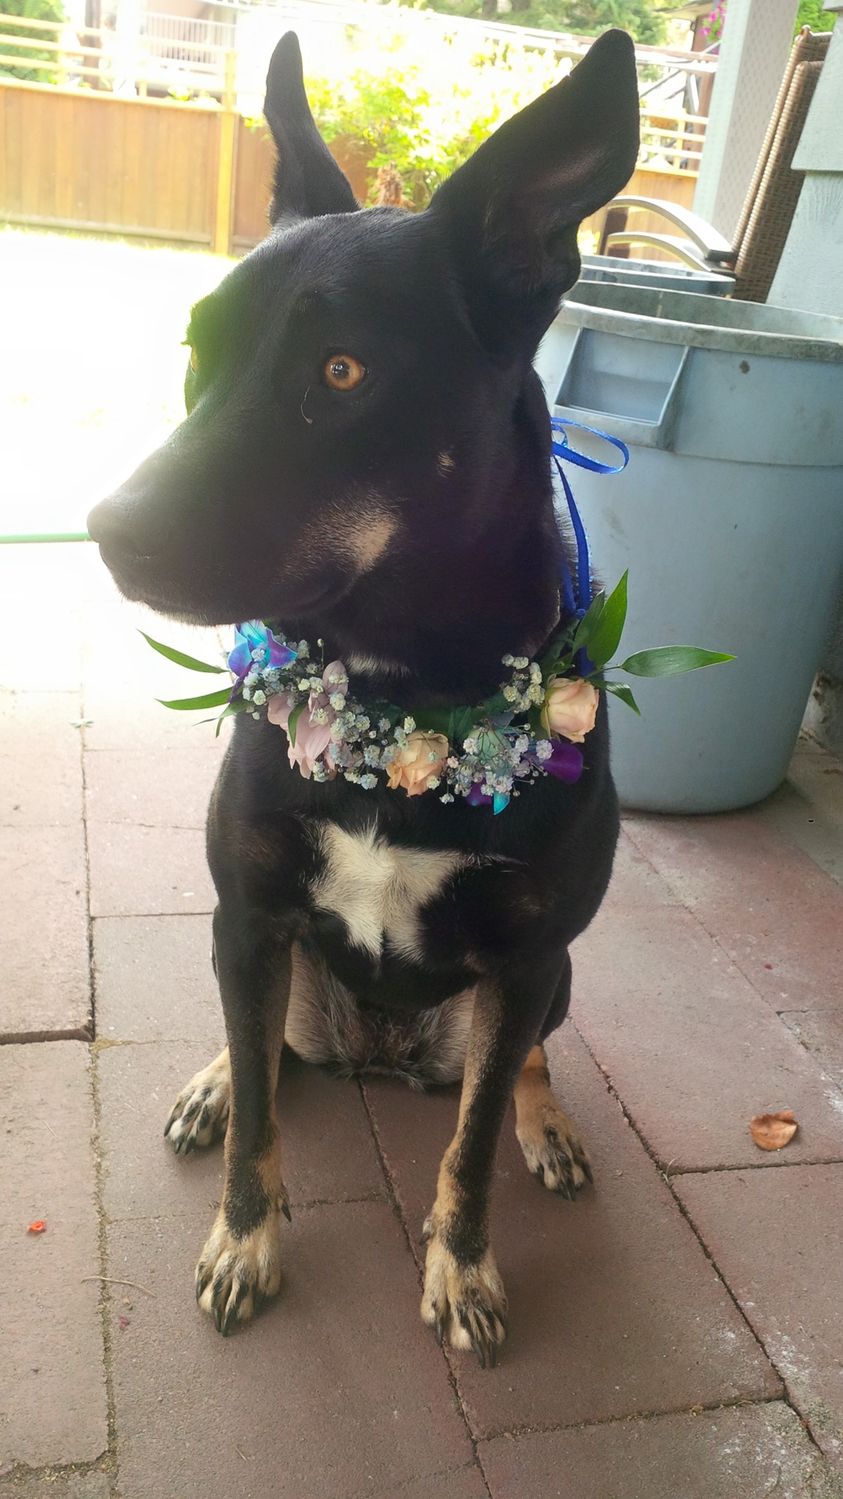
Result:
x=678 y=1332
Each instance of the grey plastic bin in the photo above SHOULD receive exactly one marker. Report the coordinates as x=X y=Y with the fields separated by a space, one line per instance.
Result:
x=729 y=518
x=655 y=273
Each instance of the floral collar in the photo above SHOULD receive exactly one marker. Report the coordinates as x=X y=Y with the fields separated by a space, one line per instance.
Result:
x=485 y=753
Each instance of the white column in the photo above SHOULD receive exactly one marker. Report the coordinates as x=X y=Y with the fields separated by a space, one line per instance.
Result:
x=810 y=276
x=757 y=39
x=810 y=273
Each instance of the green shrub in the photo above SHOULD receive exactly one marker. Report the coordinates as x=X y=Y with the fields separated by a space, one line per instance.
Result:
x=425 y=116
x=812 y=13
x=391 y=118
x=36 y=65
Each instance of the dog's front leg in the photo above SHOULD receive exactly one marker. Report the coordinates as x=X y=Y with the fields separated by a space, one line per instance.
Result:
x=464 y=1299
x=241 y=1261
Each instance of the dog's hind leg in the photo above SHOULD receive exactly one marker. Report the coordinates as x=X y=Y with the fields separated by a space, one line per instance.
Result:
x=199 y=1115
x=552 y=1147
x=241 y=1261
x=464 y=1299
x=551 y=1144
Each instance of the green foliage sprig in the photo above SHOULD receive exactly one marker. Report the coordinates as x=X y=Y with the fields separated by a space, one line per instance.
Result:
x=598 y=635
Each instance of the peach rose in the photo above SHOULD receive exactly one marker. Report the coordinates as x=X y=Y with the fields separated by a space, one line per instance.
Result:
x=418 y=762
x=570 y=708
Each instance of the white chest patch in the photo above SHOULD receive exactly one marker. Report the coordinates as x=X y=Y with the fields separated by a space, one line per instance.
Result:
x=378 y=888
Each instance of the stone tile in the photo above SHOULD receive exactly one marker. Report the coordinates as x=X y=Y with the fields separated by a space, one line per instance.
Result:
x=169 y=788
x=40 y=759
x=775 y=1236
x=124 y=705
x=751 y=1451
x=58 y=1486
x=634 y=880
x=140 y=871
x=127 y=715
x=53 y=1375
x=464 y=1483
x=45 y=988
x=39 y=582
x=691 y=1048
x=821 y=1033
x=773 y=911
x=154 y=979
x=329 y=1154
x=613 y=1307
x=808 y=809
x=336 y=1389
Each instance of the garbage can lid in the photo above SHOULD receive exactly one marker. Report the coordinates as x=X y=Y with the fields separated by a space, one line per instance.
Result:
x=649 y=273
x=681 y=317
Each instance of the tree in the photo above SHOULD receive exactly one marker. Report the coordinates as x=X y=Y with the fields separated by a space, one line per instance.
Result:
x=641 y=18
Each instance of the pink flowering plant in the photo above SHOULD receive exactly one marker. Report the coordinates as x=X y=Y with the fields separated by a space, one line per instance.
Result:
x=484 y=753
x=711 y=27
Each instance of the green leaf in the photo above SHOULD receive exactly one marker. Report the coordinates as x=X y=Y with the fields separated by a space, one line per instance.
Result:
x=557 y=668
x=208 y=700
x=238 y=706
x=619 y=689
x=431 y=720
x=292 y=722
x=560 y=642
x=670 y=660
x=605 y=636
x=493 y=707
x=589 y=622
x=462 y=721
x=178 y=656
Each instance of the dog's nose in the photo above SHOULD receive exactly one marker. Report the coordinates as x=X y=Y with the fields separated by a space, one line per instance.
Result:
x=116 y=525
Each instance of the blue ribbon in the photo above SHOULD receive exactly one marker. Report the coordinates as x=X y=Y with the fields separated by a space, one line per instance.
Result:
x=577 y=600
x=577 y=603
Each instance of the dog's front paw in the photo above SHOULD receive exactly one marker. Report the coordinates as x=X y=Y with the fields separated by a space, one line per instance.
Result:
x=233 y=1275
x=464 y=1304
x=554 y=1151
x=199 y=1115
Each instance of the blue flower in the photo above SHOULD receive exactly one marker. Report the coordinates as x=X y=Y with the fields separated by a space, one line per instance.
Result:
x=255 y=643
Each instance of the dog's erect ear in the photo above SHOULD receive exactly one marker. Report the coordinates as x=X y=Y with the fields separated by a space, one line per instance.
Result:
x=510 y=214
x=308 y=181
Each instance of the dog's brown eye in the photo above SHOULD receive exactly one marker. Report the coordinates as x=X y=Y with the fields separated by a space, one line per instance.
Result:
x=343 y=372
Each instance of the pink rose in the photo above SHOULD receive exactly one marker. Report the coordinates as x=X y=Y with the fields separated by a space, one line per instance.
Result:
x=312 y=739
x=569 y=708
x=418 y=762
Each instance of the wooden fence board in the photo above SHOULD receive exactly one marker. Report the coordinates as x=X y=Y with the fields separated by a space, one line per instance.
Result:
x=87 y=159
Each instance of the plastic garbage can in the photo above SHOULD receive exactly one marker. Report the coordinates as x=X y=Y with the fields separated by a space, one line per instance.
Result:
x=729 y=518
x=669 y=275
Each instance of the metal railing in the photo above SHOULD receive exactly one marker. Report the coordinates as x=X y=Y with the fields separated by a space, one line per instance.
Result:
x=190 y=57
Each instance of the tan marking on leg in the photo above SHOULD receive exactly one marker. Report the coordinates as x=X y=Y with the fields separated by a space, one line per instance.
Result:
x=465 y=1302
x=549 y=1140
x=238 y=1269
x=234 y=1274
x=200 y=1113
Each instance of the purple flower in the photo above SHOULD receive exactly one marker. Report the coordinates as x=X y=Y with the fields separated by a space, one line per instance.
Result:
x=253 y=635
x=477 y=797
x=565 y=762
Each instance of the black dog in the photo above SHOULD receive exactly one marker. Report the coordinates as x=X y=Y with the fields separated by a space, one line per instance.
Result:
x=366 y=458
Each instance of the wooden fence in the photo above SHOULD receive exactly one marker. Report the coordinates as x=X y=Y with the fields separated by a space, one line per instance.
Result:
x=194 y=172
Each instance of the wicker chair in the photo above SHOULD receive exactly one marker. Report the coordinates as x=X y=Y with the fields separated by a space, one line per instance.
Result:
x=753 y=256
